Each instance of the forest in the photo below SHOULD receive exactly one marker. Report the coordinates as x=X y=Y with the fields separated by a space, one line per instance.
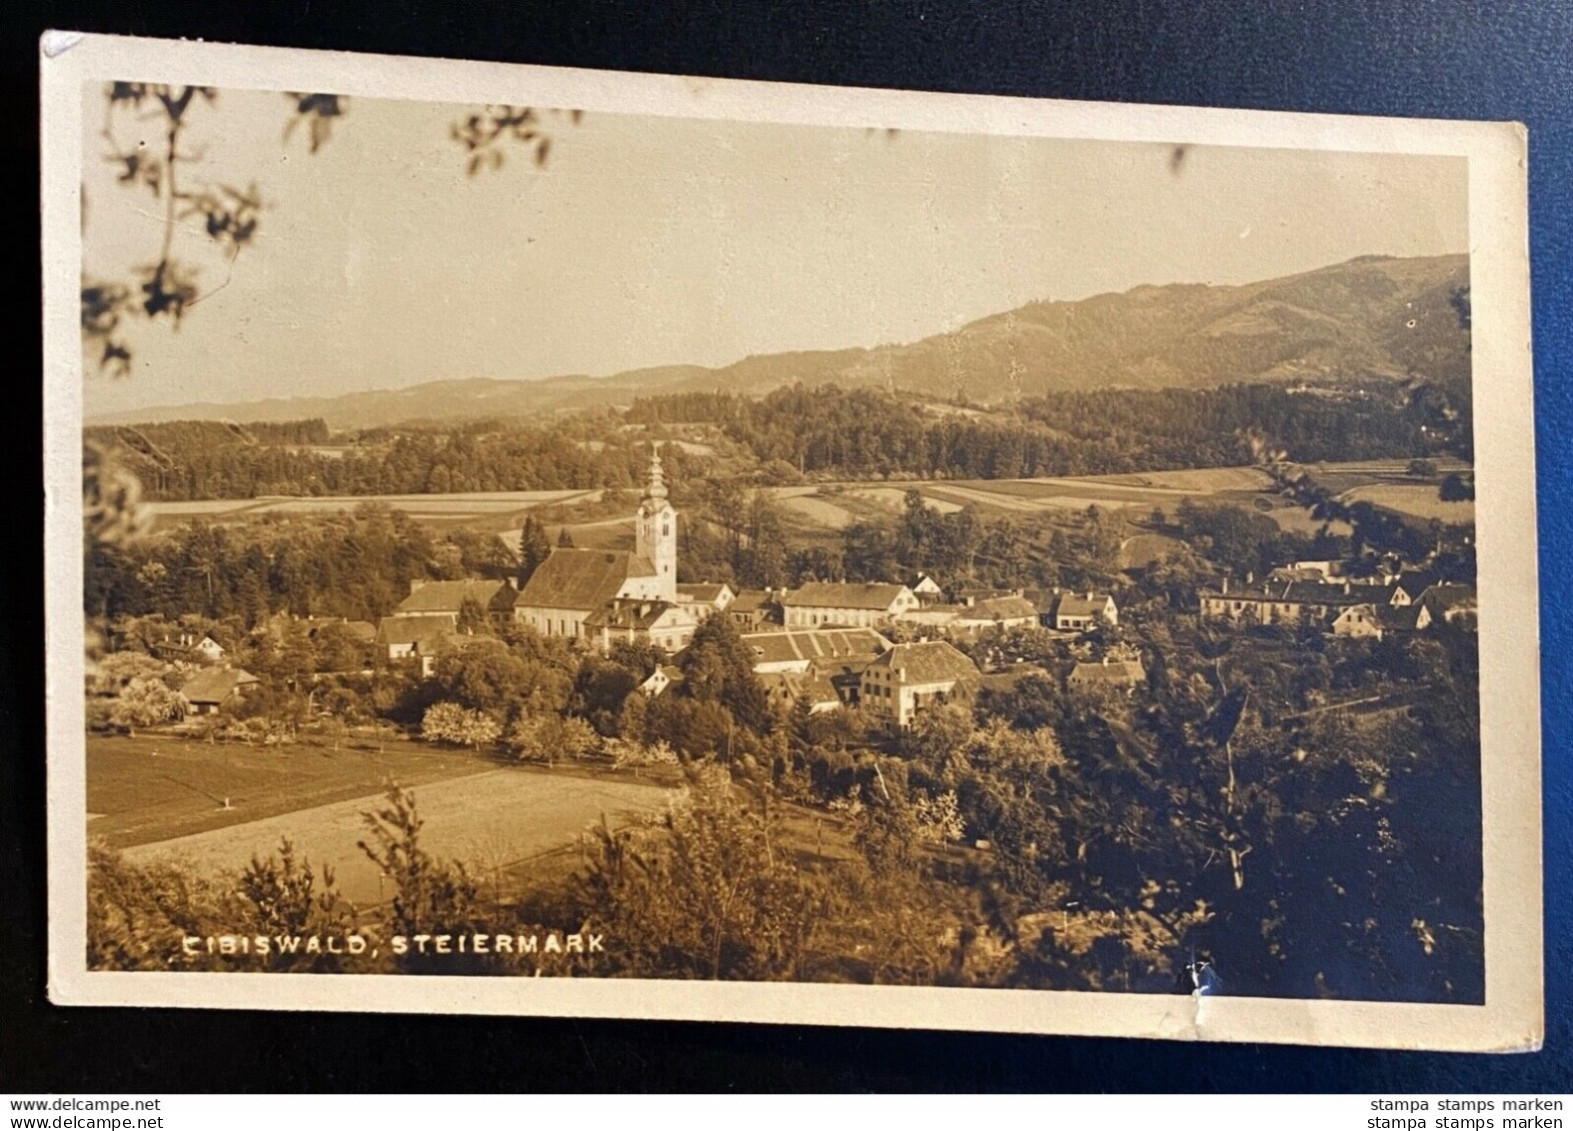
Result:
x=825 y=432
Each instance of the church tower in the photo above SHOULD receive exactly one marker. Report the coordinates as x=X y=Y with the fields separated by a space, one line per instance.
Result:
x=657 y=532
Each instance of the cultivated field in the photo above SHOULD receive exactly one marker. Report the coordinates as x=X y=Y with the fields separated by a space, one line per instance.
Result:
x=492 y=821
x=154 y=787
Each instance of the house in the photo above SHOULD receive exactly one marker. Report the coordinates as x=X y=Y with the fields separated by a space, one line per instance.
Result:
x=448 y=598
x=189 y=648
x=639 y=620
x=1408 y=588
x=571 y=585
x=705 y=597
x=926 y=589
x=972 y=594
x=1122 y=675
x=791 y=651
x=1079 y=612
x=216 y=689
x=422 y=638
x=1281 y=602
x=752 y=609
x=810 y=687
x=908 y=679
x=1359 y=621
x=1452 y=602
x=1375 y=620
x=846 y=603
x=995 y=612
x=660 y=679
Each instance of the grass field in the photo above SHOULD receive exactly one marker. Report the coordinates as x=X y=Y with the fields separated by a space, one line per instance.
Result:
x=494 y=821
x=1417 y=499
x=154 y=787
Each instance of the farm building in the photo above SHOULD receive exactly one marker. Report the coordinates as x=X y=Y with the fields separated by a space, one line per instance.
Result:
x=1078 y=612
x=448 y=598
x=908 y=679
x=209 y=692
x=704 y=598
x=631 y=620
x=862 y=605
x=1121 y=675
x=796 y=651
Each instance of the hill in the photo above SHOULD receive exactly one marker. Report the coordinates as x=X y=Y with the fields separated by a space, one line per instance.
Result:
x=1370 y=317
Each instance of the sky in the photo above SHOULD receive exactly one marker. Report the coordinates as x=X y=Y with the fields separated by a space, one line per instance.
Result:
x=649 y=241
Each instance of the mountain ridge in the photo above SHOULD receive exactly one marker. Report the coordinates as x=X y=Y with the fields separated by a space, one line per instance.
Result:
x=1368 y=317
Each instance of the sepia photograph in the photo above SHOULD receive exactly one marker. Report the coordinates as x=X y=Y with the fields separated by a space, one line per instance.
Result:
x=635 y=546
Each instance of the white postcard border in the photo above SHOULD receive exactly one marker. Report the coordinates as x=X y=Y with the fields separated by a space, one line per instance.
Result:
x=1512 y=1017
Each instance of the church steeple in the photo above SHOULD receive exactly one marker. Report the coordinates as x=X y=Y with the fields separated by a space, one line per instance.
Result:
x=656 y=487
x=656 y=537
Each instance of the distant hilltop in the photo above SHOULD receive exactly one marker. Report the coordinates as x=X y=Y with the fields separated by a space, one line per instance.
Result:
x=1373 y=316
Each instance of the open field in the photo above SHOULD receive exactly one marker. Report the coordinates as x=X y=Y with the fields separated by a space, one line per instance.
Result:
x=443 y=508
x=895 y=498
x=155 y=786
x=819 y=512
x=1143 y=549
x=492 y=821
x=1417 y=499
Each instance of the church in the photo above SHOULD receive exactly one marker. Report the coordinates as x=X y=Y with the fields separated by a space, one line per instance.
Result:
x=605 y=596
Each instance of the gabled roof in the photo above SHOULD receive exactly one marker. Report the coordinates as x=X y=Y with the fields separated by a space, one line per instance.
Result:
x=581 y=580
x=216 y=684
x=809 y=685
x=749 y=600
x=1449 y=595
x=425 y=631
x=1416 y=582
x=1082 y=604
x=631 y=614
x=819 y=645
x=1122 y=672
x=449 y=596
x=1000 y=608
x=845 y=595
x=1401 y=618
x=1302 y=593
x=706 y=592
x=928 y=661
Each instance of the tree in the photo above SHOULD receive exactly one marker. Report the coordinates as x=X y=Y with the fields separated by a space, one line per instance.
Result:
x=548 y=737
x=565 y=538
x=534 y=548
x=1422 y=468
x=144 y=702
x=458 y=726
x=712 y=893
x=429 y=895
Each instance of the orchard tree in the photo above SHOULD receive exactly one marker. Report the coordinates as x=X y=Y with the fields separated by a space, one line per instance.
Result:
x=459 y=726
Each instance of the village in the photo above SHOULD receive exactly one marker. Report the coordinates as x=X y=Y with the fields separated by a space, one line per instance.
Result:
x=888 y=649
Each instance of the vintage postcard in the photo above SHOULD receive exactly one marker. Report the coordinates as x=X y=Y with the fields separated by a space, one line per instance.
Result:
x=641 y=546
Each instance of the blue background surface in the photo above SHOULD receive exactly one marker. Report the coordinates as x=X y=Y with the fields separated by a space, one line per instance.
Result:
x=1511 y=60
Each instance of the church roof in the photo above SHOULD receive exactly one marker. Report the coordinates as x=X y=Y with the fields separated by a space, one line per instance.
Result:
x=581 y=579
